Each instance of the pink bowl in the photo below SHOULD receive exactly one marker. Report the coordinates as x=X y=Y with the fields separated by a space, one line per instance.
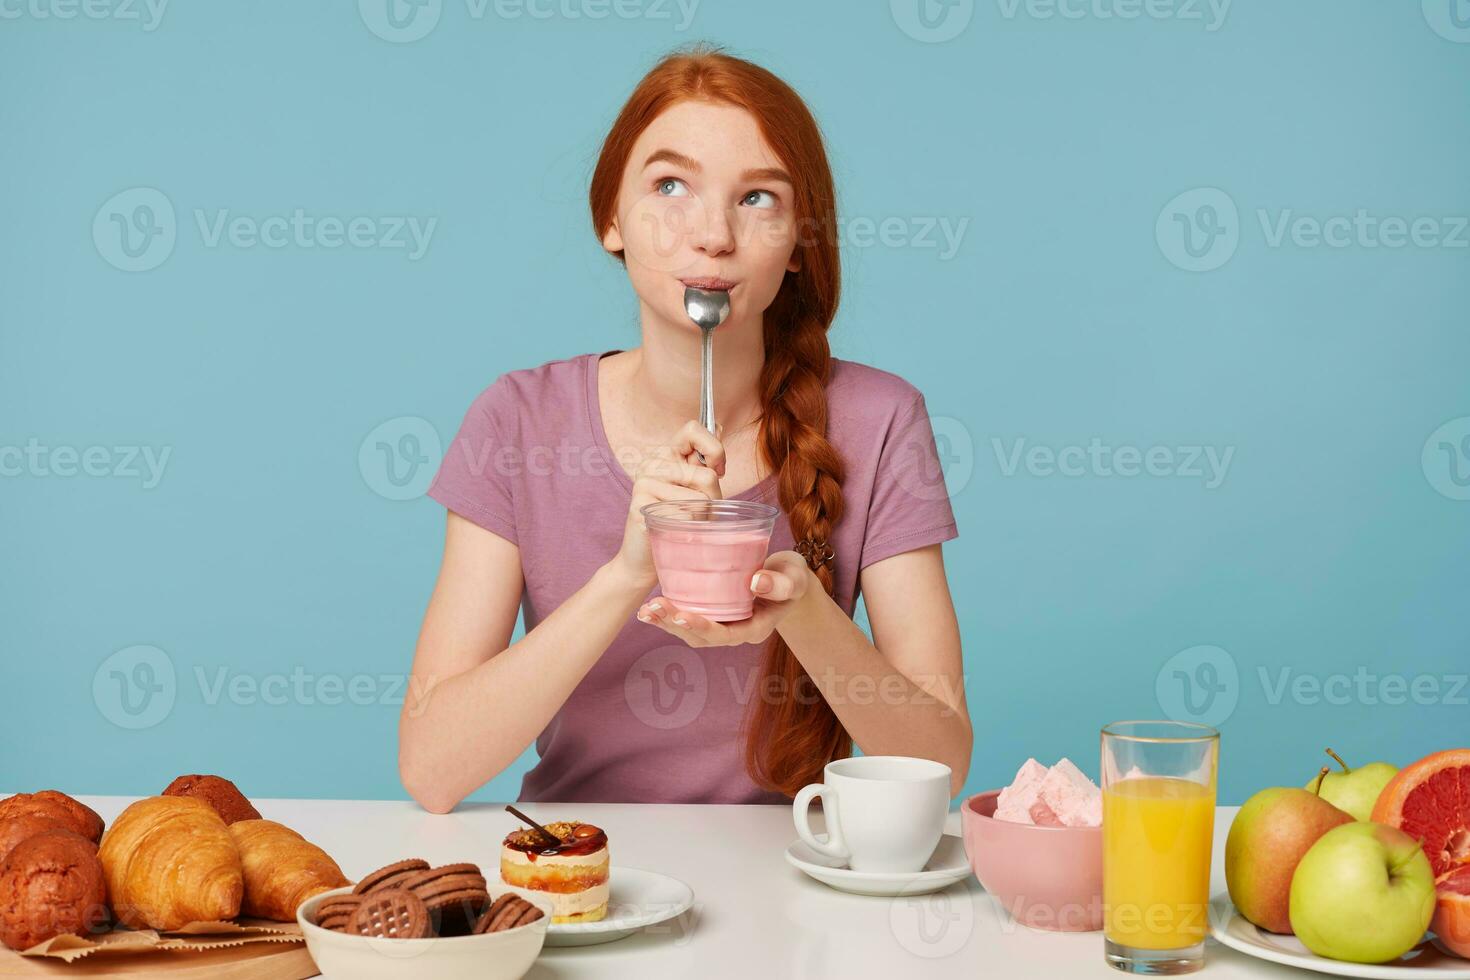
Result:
x=1046 y=877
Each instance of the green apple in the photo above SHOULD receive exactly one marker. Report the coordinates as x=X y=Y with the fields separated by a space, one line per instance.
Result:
x=1353 y=790
x=1267 y=838
x=1363 y=893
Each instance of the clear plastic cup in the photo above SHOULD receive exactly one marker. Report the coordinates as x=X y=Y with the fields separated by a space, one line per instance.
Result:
x=706 y=551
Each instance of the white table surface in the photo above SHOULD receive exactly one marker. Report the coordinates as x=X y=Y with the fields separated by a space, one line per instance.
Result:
x=754 y=915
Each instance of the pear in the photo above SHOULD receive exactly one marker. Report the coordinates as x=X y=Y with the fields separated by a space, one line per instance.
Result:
x=1353 y=790
x=1268 y=837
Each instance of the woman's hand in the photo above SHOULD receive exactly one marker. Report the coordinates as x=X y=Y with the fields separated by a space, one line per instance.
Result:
x=671 y=472
x=778 y=586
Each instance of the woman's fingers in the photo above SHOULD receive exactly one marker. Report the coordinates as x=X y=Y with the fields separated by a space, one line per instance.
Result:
x=682 y=473
x=771 y=584
x=693 y=438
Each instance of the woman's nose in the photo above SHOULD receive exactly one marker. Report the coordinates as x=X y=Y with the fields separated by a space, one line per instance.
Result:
x=712 y=232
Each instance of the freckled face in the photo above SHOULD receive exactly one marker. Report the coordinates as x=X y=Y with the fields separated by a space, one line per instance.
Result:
x=704 y=200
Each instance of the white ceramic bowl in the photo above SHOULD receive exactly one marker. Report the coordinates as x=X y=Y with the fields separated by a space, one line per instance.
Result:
x=505 y=955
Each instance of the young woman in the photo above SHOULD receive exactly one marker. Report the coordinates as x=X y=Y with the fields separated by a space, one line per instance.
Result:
x=714 y=175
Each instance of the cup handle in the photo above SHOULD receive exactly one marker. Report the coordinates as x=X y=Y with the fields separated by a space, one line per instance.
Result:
x=835 y=847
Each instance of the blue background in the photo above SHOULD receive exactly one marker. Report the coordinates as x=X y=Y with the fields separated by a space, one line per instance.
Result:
x=268 y=548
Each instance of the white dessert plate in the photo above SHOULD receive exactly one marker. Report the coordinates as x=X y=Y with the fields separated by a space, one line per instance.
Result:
x=636 y=900
x=1427 y=959
x=947 y=866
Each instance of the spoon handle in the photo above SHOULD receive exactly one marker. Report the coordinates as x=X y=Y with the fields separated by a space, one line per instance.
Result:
x=706 y=382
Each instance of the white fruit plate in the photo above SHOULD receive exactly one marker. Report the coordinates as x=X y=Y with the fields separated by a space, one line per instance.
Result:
x=1426 y=960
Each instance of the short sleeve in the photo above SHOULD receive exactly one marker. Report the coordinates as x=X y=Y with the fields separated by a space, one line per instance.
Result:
x=910 y=505
x=469 y=481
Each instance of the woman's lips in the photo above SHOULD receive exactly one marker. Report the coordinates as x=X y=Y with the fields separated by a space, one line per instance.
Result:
x=708 y=282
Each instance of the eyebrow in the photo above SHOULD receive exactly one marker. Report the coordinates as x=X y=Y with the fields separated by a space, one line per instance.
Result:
x=688 y=163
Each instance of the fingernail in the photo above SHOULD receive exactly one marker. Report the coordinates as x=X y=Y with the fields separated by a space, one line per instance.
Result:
x=679 y=621
x=759 y=582
x=644 y=617
x=655 y=607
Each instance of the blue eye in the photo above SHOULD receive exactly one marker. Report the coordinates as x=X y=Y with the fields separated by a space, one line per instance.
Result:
x=759 y=199
x=671 y=187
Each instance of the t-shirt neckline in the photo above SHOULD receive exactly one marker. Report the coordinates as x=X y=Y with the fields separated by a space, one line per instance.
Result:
x=599 y=435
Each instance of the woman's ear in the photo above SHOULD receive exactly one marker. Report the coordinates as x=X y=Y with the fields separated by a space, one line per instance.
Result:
x=612 y=239
x=794 y=265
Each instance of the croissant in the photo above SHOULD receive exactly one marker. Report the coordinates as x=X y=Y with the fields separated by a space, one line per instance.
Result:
x=169 y=861
x=282 y=869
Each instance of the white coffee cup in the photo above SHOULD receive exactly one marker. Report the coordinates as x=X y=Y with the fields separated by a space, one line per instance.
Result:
x=883 y=812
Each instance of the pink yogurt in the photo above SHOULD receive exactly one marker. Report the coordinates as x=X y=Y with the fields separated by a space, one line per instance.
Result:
x=706 y=551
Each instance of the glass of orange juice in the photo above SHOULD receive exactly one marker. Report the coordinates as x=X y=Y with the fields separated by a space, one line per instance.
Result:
x=1158 y=789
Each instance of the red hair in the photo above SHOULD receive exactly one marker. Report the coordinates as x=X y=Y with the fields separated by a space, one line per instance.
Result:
x=790 y=738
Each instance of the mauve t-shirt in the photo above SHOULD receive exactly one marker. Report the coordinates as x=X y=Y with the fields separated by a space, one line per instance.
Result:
x=656 y=720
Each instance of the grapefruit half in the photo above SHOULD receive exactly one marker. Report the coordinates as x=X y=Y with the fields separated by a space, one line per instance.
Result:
x=1430 y=801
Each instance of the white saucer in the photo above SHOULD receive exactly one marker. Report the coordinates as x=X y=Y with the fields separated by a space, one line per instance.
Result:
x=1426 y=960
x=637 y=899
x=947 y=866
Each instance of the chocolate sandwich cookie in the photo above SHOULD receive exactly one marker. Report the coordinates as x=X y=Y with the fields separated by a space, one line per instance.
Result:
x=390 y=914
x=456 y=913
x=334 y=913
x=389 y=876
x=455 y=895
x=506 y=912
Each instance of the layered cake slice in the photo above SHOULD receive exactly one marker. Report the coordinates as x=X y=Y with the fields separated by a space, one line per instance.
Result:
x=573 y=873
